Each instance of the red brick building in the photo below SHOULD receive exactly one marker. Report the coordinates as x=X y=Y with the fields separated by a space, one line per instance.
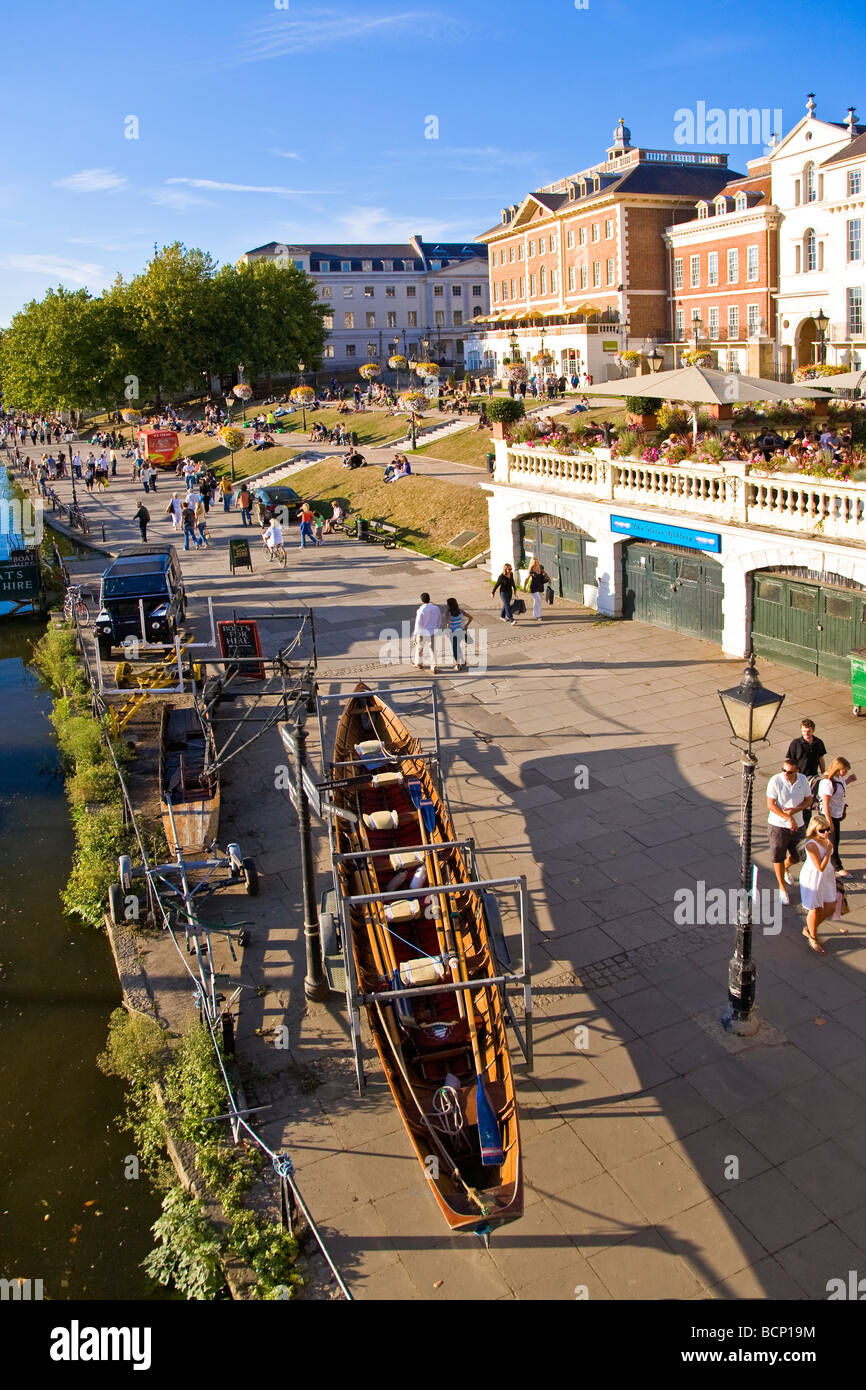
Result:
x=581 y=265
x=723 y=268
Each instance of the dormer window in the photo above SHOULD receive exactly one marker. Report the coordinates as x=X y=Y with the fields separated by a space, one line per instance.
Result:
x=582 y=187
x=742 y=202
x=571 y=192
x=596 y=183
x=721 y=207
x=703 y=210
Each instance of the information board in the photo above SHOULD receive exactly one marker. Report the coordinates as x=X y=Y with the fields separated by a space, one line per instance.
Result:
x=240 y=638
x=239 y=555
x=19 y=582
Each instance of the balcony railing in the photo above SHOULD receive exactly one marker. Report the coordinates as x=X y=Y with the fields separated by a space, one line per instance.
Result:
x=729 y=492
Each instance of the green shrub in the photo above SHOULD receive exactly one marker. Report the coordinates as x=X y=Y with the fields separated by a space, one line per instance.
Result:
x=641 y=405
x=503 y=410
x=100 y=838
x=671 y=417
x=135 y=1048
x=55 y=658
x=194 y=1087
x=188 y=1253
x=628 y=441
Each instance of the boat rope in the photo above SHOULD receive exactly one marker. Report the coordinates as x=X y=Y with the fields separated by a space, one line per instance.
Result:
x=472 y=1193
x=447 y=1103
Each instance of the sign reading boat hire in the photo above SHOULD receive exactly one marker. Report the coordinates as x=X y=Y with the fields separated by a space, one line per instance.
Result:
x=639 y=529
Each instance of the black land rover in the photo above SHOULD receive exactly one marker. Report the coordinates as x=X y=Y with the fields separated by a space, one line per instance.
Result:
x=144 y=577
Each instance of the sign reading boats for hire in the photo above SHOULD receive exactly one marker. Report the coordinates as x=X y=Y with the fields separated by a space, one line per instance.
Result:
x=239 y=638
x=19 y=581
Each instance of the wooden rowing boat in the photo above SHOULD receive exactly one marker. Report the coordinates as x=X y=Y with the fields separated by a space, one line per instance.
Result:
x=186 y=757
x=425 y=1044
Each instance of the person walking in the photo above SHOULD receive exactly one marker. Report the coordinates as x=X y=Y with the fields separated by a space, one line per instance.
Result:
x=458 y=622
x=305 y=517
x=245 y=502
x=831 y=799
x=788 y=796
x=428 y=621
x=187 y=518
x=536 y=581
x=507 y=586
x=174 y=510
x=151 y=477
x=201 y=522
x=226 y=492
x=142 y=516
x=817 y=880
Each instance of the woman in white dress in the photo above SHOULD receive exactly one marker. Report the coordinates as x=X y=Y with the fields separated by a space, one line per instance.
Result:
x=817 y=880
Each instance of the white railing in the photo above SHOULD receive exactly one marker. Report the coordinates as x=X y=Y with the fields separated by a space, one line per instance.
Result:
x=727 y=492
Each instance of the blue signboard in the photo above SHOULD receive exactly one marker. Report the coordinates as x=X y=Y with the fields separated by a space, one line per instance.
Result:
x=671 y=535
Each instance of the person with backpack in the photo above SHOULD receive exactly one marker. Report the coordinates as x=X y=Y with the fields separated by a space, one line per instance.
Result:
x=536 y=582
x=831 y=798
x=507 y=586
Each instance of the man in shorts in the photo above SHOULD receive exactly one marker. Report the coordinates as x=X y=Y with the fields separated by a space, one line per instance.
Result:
x=788 y=796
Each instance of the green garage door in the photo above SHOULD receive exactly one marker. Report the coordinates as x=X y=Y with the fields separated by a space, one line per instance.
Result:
x=562 y=552
x=810 y=626
x=673 y=588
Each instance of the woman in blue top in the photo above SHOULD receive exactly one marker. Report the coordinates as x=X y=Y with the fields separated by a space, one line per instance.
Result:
x=458 y=622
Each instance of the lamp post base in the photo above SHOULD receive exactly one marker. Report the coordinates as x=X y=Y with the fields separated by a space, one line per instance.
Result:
x=742 y=1025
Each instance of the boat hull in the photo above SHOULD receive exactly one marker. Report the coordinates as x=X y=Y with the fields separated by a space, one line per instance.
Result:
x=425 y=1044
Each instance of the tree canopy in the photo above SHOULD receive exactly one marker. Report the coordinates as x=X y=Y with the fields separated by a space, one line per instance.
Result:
x=165 y=332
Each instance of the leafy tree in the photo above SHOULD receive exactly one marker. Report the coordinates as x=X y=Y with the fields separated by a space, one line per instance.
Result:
x=170 y=313
x=54 y=352
x=269 y=317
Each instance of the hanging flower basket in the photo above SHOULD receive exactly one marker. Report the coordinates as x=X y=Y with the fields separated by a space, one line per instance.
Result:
x=817 y=370
x=232 y=438
x=700 y=357
x=397 y=362
x=369 y=370
x=415 y=401
x=630 y=356
x=243 y=392
x=302 y=395
x=543 y=359
x=131 y=417
x=427 y=368
x=517 y=372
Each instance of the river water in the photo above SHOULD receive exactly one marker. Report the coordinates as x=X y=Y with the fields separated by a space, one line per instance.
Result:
x=68 y=1215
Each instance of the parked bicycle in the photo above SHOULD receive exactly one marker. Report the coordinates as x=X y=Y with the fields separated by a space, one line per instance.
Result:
x=74 y=608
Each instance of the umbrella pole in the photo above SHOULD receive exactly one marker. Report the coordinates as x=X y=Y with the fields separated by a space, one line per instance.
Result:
x=694 y=424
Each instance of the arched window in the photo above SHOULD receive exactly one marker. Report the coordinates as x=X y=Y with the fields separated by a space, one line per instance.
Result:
x=542 y=278
x=702 y=210
x=810 y=184
x=810 y=250
x=741 y=202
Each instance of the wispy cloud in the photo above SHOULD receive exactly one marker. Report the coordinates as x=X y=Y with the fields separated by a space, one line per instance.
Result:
x=178 y=199
x=92 y=181
x=360 y=223
x=56 y=268
x=279 y=34
x=285 y=154
x=215 y=186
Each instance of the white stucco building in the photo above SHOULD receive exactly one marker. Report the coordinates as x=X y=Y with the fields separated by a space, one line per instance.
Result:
x=819 y=186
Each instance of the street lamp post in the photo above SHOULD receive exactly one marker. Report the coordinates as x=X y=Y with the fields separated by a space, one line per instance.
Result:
x=697 y=328
x=822 y=323
x=751 y=711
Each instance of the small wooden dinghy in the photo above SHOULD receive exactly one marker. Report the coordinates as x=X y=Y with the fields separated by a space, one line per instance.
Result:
x=187 y=751
x=445 y=1054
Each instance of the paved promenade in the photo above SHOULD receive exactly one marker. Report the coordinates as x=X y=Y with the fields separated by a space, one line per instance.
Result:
x=664 y=1159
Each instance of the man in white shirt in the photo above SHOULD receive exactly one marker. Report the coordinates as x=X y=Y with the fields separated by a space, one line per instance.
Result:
x=788 y=796
x=428 y=621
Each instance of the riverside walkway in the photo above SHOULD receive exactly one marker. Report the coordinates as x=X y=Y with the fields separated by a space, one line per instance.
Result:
x=664 y=1158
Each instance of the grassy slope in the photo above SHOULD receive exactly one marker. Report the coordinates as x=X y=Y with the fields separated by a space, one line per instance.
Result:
x=430 y=512
x=473 y=445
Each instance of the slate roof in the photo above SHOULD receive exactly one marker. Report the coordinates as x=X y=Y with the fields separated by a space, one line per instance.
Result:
x=854 y=150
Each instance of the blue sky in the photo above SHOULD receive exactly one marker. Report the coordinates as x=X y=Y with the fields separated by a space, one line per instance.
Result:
x=307 y=123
